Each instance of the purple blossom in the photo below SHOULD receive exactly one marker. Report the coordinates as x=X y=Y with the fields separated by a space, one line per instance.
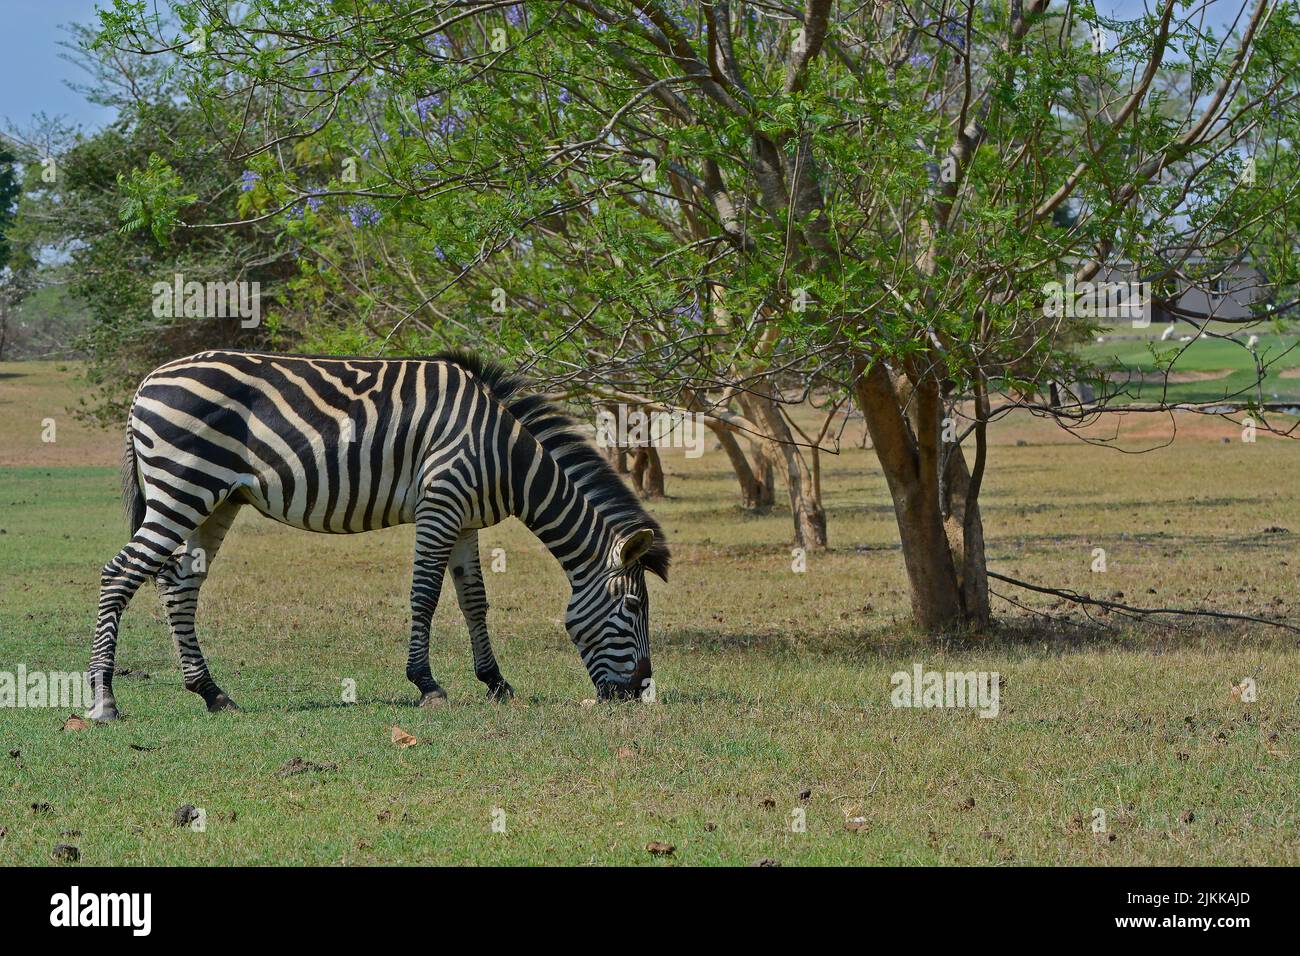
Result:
x=515 y=15
x=425 y=105
x=426 y=108
x=689 y=313
x=314 y=202
x=248 y=181
x=363 y=214
x=563 y=96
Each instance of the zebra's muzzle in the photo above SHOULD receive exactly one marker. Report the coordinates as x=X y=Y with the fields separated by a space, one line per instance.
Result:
x=631 y=688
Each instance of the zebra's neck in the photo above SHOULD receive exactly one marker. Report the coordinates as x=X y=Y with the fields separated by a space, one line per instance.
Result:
x=554 y=507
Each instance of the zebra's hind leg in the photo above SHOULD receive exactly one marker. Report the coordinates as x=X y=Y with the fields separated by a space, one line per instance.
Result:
x=144 y=555
x=179 y=582
x=436 y=531
x=467 y=573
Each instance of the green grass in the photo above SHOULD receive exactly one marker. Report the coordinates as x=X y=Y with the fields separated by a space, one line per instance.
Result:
x=770 y=682
x=1204 y=370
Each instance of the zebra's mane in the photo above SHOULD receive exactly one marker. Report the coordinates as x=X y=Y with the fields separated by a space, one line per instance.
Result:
x=584 y=465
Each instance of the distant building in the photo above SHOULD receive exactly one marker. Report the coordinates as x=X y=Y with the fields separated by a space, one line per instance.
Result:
x=1212 y=291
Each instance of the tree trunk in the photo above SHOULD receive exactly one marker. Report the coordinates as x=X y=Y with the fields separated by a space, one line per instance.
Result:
x=647 y=472
x=805 y=498
x=965 y=532
x=766 y=456
x=756 y=492
x=947 y=577
x=616 y=455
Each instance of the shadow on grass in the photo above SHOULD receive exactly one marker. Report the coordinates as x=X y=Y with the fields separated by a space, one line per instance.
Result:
x=1021 y=636
x=306 y=706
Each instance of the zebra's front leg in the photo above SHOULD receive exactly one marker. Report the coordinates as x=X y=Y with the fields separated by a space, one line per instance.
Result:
x=179 y=582
x=436 y=531
x=467 y=573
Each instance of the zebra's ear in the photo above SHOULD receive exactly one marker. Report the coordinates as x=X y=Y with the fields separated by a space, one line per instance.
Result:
x=634 y=546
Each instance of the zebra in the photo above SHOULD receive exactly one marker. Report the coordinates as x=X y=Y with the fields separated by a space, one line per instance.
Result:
x=449 y=442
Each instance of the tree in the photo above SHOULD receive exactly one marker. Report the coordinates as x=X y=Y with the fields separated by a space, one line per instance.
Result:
x=9 y=190
x=158 y=163
x=10 y=187
x=732 y=208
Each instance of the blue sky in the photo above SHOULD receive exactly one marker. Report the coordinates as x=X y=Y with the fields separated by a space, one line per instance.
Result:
x=32 y=75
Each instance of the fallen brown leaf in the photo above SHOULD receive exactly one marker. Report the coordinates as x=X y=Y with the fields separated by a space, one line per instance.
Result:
x=74 y=723
x=402 y=738
x=658 y=848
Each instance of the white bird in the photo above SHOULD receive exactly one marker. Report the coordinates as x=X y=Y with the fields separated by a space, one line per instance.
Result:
x=1101 y=339
x=1252 y=342
x=1169 y=331
x=1184 y=338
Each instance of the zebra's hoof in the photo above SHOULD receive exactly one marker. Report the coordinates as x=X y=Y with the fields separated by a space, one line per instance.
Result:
x=501 y=691
x=219 y=703
x=104 y=713
x=433 y=699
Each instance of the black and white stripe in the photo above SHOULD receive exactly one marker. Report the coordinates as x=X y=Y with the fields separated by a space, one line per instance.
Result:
x=344 y=445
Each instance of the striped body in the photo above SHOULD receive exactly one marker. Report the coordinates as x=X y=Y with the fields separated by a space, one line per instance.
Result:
x=345 y=445
x=336 y=445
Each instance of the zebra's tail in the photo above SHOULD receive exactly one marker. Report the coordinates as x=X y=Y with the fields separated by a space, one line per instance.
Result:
x=132 y=495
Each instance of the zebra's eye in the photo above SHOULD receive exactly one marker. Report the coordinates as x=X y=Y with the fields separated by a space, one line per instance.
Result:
x=633 y=602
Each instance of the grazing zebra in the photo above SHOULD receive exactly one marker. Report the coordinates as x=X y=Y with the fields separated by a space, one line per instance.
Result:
x=344 y=445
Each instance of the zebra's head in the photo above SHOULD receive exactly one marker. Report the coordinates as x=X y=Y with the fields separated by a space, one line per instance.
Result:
x=609 y=616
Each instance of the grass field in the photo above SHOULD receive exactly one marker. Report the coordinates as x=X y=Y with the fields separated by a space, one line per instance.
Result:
x=770 y=683
x=1206 y=369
